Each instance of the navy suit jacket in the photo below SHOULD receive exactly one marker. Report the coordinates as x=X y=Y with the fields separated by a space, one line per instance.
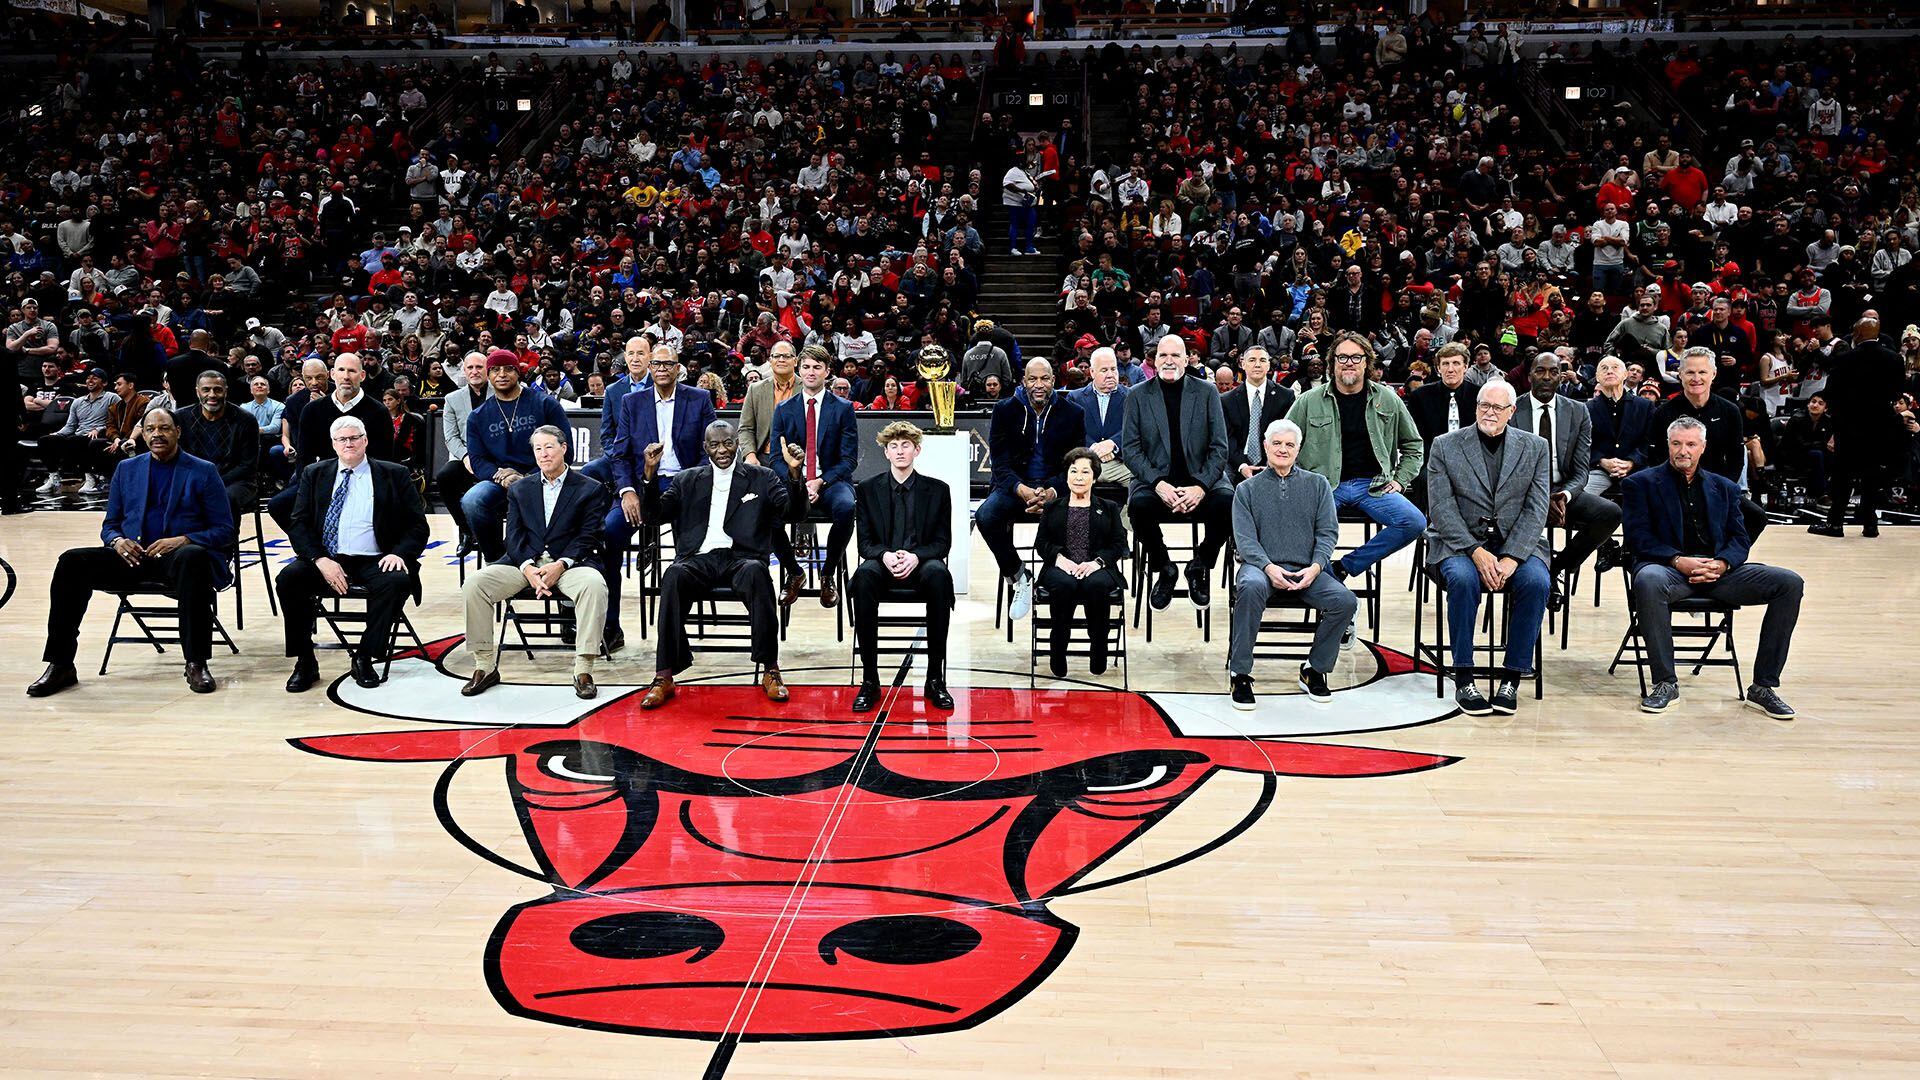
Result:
x=1654 y=524
x=578 y=528
x=1630 y=441
x=1010 y=441
x=196 y=508
x=838 y=440
x=639 y=428
x=1089 y=401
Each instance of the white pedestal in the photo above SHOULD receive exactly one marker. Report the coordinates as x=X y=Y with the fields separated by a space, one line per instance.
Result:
x=950 y=458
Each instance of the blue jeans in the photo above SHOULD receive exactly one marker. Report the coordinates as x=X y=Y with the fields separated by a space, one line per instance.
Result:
x=1612 y=280
x=1527 y=600
x=837 y=500
x=485 y=506
x=1020 y=223
x=994 y=520
x=1401 y=523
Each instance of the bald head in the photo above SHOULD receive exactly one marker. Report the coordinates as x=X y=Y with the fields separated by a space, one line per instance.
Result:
x=1037 y=379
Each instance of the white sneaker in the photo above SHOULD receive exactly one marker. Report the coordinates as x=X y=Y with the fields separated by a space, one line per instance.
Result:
x=1347 y=636
x=92 y=486
x=51 y=487
x=1015 y=251
x=1022 y=603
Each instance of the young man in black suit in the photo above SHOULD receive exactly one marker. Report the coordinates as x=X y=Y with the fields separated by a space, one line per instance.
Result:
x=555 y=533
x=906 y=530
x=356 y=521
x=1244 y=430
x=727 y=544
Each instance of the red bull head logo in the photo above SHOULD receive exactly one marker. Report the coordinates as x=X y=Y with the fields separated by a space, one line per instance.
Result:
x=727 y=869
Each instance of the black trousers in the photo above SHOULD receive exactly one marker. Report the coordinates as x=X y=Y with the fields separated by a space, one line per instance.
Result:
x=300 y=587
x=13 y=468
x=280 y=507
x=187 y=572
x=1147 y=513
x=1857 y=468
x=930 y=582
x=77 y=453
x=1093 y=593
x=693 y=578
x=1590 y=521
x=1755 y=517
x=240 y=497
x=452 y=482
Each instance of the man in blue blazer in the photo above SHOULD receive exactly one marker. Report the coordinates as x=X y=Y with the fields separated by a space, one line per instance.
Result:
x=1028 y=443
x=555 y=529
x=1688 y=536
x=168 y=524
x=824 y=429
x=1620 y=419
x=1103 y=399
x=664 y=412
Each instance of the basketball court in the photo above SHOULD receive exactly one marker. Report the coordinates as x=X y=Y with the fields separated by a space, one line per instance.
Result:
x=1070 y=880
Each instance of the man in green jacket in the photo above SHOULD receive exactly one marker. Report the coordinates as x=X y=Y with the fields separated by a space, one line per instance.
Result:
x=1359 y=435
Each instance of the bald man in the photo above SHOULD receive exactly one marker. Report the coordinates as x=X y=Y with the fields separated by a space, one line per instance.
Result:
x=1028 y=442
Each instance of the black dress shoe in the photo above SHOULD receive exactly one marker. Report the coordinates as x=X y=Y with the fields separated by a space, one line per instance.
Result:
x=306 y=673
x=363 y=673
x=614 y=641
x=568 y=632
x=1826 y=530
x=868 y=699
x=937 y=695
x=1163 y=585
x=199 y=679
x=56 y=678
x=1871 y=531
x=1609 y=557
x=1556 y=595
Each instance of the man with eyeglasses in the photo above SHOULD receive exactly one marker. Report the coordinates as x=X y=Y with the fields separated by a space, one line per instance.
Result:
x=356 y=521
x=1360 y=436
x=1488 y=492
x=665 y=413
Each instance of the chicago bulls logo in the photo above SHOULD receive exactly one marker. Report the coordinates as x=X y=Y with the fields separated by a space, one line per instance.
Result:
x=731 y=870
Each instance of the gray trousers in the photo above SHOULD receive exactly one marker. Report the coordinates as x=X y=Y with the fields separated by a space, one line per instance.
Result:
x=1657 y=587
x=1251 y=589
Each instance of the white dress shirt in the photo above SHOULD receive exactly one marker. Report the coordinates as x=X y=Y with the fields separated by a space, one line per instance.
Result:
x=356 y=517
x=663 y=428
x=1542 y=416
x=717 y=537
x=549 y=498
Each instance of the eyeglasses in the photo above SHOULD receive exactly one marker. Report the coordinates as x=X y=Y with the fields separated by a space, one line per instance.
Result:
x=1348 y=358
x=1488 y=408
x=349 y=438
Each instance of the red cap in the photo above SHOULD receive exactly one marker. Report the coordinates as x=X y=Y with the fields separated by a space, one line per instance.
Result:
x=503 y=358
x=1087 y=341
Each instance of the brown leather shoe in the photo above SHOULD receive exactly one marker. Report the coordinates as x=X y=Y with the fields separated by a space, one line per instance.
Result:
x=481 y=682
x=659 y=693
x=583 y=687
x=771 y=685
x=199 y=679
x=790 y=590
x=829 y=589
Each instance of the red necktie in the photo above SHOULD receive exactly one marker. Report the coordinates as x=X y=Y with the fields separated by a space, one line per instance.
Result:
x=813 y=461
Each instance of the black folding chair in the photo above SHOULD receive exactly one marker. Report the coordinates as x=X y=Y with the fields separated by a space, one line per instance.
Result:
x=345 y=617
x=157 y=621
x=1697 y=643
x=1439 y=653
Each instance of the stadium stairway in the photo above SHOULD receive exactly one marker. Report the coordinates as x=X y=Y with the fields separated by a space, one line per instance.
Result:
x=1022 y=293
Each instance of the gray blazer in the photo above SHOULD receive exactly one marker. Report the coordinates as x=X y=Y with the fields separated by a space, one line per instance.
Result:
x=756 y=418
x=1460 y=492
x=1203 y=435
x=453 y=421
x=1572 y=438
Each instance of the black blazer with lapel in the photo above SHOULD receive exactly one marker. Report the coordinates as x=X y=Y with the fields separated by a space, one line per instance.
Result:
x=399 y=517
x=1429 y=408
x=932 y=515
x=577 y=531
x=750 y=521
x=1273 y=407
x=1107 y=536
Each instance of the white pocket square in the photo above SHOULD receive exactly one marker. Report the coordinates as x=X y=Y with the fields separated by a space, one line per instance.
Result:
x=749 y=497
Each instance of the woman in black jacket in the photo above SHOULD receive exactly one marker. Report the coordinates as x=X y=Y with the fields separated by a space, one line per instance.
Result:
x=1081 y=543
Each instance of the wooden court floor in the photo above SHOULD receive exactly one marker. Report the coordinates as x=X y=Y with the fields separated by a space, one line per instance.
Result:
x=1576 y=891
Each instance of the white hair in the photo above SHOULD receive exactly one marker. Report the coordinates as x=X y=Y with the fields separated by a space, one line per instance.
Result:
x=1497 y=384
x=1285 y=426
x=346 y=423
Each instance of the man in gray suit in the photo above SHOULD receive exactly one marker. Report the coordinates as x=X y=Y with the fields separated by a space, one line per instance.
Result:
x=1173 y=437
x=455 y=478
x=1486 y=531
x=1284 y=529
x=1568 y=427
x=756 y=428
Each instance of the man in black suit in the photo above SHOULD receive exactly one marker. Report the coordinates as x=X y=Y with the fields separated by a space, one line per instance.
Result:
x=356 y=521
x=1244 y=429
x=1446 y=403
x=555 y=533
x=1868 y=435
x=724 y=514
x=1620 y=419
x=906 y=529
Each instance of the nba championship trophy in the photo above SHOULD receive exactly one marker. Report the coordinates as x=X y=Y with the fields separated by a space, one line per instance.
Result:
x=934 y=368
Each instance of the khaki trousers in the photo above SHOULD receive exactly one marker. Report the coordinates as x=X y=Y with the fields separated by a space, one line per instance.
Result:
x=491 y=585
